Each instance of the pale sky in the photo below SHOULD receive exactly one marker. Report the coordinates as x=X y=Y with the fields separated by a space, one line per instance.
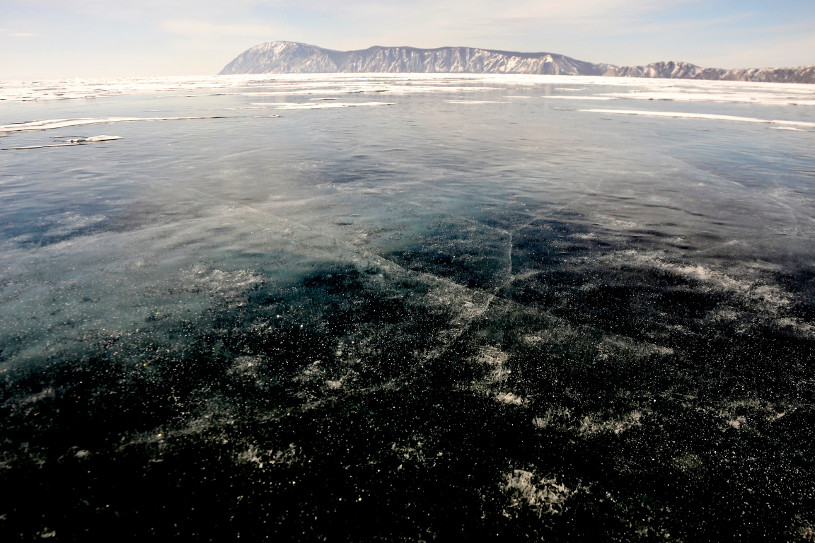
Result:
x=104 y=38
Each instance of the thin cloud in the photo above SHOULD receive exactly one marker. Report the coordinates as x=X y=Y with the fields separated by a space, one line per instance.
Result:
x=198 y=28
x=469 y=10
x=17 y=34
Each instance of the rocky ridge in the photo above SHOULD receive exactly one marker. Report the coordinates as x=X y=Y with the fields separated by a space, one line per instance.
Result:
x=293 y=57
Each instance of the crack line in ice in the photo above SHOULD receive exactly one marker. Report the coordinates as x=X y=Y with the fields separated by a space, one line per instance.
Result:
x=72 y=142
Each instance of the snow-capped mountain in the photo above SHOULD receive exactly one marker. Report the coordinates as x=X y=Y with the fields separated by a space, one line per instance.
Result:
x=293 y=57
x=684 y=70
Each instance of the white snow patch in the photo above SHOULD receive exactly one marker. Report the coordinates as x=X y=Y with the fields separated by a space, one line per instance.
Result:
x=562 y=419
x=596 y=424
x=509 y=398
x=323 y=105
x=596 y=97
x=245 y=365
x=261 y=459
x=545 y=495
x=752 y=290
x=704 y=116
x=50 y=124
x=779 y=97
x=553 y=416
x=402 y=83
x=806 y=531
x=228 y=286
x=39 y=396
x=474 y=102
x=496 y=360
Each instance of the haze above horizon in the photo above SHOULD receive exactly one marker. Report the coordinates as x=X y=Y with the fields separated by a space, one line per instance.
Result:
x=95 y=38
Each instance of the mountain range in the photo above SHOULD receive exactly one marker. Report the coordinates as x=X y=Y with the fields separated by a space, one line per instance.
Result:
x=293 y=57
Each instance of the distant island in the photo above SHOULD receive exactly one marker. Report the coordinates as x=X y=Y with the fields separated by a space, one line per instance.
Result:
x=292 y=57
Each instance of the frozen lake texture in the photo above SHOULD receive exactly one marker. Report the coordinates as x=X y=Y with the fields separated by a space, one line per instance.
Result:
x=407 y=308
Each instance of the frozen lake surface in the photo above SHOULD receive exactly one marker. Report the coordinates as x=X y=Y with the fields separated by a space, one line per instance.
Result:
x=407 y=307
